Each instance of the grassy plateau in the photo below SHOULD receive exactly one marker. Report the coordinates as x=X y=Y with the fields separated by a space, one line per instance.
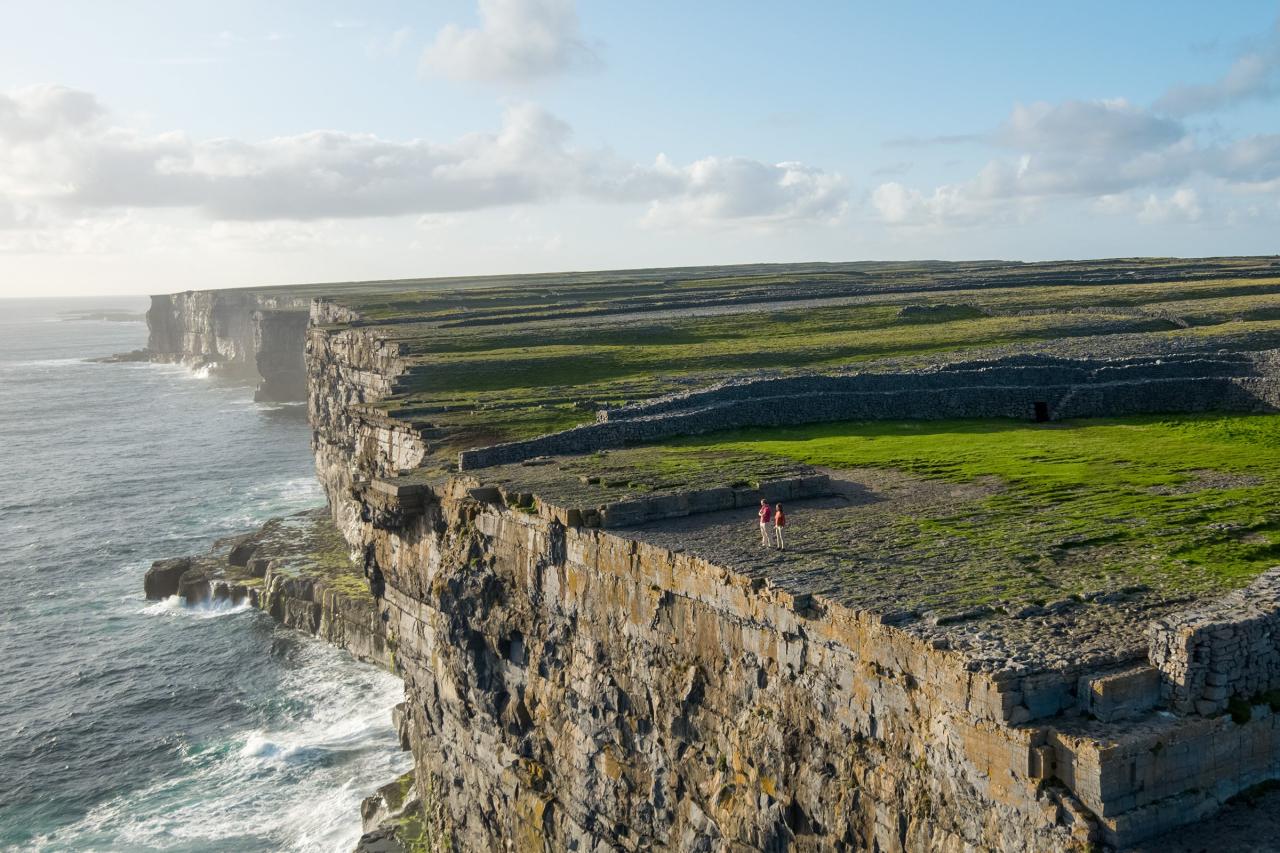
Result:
x=1189 y=503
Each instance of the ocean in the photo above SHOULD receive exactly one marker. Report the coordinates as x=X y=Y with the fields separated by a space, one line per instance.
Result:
x=135 y=725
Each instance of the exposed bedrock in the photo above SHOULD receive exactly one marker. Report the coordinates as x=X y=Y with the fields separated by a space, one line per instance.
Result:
x=297 y=569
x=574 y=688
x=248 y=334
x=583 y=688
x=165 y=576
x=348 y=370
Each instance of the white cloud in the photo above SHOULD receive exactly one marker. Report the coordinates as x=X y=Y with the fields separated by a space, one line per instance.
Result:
x=1253 y=160
x=39 y=112
x=737 y=189
x=1106 y=127
x=950 y=204
x=895 y=203
x=1118 y=155
x=517 y=41
x=1182 y=205
x=1099 y=150
x=60 y=154
x=1255 y=75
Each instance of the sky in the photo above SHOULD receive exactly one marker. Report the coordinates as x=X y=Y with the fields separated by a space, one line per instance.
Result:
x=159 y=146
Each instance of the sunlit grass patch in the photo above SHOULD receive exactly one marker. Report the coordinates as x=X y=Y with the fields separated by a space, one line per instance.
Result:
x=1189 y=502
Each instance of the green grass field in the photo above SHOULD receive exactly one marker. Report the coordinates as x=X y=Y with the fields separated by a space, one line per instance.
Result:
x=1187 y=503
x=500 y=363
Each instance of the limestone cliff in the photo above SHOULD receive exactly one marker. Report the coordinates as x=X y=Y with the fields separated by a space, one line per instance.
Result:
x=572 y=687
x=567 y=688
x=350 y=368
x=576 y=679
x=298 y=569
x=251 y=334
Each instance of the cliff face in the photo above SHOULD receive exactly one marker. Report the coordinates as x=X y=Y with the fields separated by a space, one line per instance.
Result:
x=348 y=370
x=559 y=691
x=569 y=687
x=574 y=688
x=571 y=684
x=247 y=334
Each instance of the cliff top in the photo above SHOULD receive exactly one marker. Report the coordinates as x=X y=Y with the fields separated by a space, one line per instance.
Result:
x=528 y=356
x=1065 y=538
x=1018 y=541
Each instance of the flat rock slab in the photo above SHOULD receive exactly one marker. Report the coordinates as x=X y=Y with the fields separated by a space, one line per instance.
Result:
x=849 y=548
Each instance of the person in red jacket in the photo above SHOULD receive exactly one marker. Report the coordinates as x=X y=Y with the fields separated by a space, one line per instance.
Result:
x=779 y=522
x=766 y=515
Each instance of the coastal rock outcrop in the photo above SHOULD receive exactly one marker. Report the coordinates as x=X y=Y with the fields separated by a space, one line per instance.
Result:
x=568 y=686
x=299 y=570
x=576 y=678
x=249 y=334
x=164 y=577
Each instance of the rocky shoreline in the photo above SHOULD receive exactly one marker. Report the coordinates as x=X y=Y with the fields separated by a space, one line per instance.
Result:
x=579 y=674
x=300 y=571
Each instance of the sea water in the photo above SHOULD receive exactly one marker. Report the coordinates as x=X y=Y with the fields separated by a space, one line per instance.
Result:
x=135 y=725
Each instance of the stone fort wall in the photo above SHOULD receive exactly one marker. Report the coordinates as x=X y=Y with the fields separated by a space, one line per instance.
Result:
x=1008 y=388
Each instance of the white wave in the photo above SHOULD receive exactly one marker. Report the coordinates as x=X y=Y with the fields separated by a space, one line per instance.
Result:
x=174 y=605
x=266 y=500
x=203 y=371
x=296 y=491
x=217 y=609
x=293 y=783
x=162 y=367
x=163 y=607
x=258 y=746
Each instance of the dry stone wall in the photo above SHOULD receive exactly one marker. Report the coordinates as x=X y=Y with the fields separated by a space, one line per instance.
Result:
x=1009 y=389
x=1225 y=649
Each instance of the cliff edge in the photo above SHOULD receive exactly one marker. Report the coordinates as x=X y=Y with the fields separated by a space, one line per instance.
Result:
x=954 y=655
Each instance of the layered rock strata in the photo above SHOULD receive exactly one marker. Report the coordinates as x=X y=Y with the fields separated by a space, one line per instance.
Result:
x=572 y=687
x=580 y=677
x=570 y=683
x=250 y=334
x=348 y=369
x=297 y=569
